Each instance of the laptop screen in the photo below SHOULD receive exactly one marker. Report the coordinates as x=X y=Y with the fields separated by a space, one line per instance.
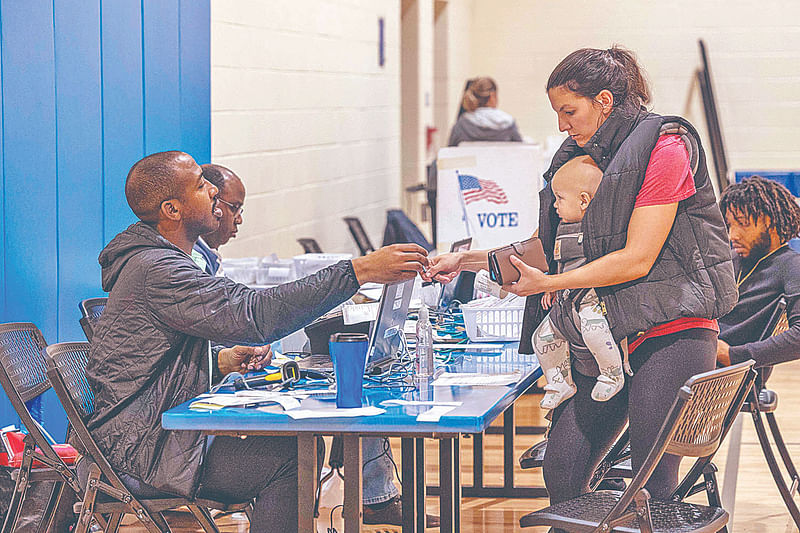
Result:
x=449 y=290
x=386 y=337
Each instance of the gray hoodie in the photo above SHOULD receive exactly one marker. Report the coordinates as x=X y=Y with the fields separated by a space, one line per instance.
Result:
x=149 y=352
x=485 y=124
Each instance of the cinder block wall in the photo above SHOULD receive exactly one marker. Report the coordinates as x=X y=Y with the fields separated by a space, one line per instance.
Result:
x=304 y=114
x=754 y=49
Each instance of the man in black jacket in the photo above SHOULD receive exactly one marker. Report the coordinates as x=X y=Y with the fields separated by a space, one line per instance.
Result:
x=151 y=350
x=762 y=216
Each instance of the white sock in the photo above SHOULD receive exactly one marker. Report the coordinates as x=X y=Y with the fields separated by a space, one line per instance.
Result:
x=557 y=389
x=609 y=383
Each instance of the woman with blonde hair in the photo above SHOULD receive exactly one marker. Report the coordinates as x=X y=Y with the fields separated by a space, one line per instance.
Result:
x=479 y=118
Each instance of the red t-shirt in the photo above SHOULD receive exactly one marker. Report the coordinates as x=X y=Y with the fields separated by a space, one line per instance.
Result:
x=668 y=179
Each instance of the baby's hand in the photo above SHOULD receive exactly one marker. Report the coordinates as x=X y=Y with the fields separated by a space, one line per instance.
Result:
x=547 y=300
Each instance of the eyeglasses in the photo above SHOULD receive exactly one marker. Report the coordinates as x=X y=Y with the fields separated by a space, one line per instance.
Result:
x=236 y=209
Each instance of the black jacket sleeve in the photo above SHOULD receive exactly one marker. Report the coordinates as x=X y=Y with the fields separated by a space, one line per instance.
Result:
x=188 y=300
x=773 y=350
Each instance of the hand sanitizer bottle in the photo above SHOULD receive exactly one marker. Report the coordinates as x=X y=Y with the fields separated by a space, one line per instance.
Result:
x=424 y=363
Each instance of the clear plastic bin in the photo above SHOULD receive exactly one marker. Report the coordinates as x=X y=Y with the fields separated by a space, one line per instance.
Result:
x=274 y=271
x=241 y=269
x=241 y=274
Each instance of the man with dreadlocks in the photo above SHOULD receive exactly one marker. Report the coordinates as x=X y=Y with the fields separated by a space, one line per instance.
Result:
x=762 y=216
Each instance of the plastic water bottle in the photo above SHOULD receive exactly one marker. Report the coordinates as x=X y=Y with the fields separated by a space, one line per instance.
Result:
x=424 y=365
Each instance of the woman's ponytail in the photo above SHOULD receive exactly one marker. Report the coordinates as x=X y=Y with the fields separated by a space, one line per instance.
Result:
x=478 y=93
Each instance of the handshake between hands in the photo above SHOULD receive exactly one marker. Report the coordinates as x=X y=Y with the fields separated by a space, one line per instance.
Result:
x=400 y=262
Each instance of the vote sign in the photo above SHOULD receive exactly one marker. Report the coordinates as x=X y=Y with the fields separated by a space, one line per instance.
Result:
x=488 y=191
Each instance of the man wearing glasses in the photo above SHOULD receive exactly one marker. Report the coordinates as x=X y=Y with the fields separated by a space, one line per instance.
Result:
x=231 y=195
x=381 y=499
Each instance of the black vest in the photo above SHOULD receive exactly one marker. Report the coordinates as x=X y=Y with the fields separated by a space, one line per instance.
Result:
x=693 y=274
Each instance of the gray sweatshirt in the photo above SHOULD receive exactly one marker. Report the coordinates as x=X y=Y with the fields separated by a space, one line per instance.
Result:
x=485 y=124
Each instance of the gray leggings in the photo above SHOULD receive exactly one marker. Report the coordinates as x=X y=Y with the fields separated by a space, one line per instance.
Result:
x=583 y=430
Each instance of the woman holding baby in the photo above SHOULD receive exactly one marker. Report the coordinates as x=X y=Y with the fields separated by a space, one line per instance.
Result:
x=656 y=254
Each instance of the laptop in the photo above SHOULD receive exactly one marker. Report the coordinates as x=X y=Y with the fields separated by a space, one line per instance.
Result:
x=449 y=290
x=385 y=339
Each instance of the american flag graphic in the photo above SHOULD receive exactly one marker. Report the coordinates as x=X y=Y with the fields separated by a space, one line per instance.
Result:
x=475 y=189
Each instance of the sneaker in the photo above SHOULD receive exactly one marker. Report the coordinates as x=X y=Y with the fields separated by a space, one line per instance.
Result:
x=555 y=393
x=391 y=513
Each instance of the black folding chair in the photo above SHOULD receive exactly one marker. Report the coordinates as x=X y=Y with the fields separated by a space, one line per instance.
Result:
x=359 y=235
x=763 y=401
x=105 y=493
x=23 y=377
x=91 y=309
x=694 y=427
x=616 y=465
x=310 y=246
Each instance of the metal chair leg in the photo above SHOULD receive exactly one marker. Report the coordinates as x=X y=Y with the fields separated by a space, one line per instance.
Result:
x=49 y=514
x=87 y=506
x=113 y=522
x=156 y=523
x=205 y=519
x=642 y=500
x=20 y=487
x=781 y=445
x=772 y=462
x=711 y=485
x=713 y=491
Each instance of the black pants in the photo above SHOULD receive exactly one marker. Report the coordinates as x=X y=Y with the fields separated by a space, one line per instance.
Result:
x=236 y=470
x=584 y=430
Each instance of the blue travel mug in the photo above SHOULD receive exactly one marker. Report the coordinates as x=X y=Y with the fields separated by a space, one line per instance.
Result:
x=349 y=354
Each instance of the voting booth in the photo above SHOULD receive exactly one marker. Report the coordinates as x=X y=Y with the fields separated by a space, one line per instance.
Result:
x=490 y=192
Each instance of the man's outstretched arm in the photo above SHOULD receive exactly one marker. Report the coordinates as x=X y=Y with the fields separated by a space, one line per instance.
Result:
x=194 y=303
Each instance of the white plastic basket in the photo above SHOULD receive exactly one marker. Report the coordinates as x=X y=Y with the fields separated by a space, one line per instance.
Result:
x=307 y=264
x=493 y=319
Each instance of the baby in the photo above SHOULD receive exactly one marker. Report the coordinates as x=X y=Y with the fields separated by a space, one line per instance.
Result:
x=576 y=315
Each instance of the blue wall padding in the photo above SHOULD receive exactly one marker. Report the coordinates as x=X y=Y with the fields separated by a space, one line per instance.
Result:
x=88 y=88
x=790 y=179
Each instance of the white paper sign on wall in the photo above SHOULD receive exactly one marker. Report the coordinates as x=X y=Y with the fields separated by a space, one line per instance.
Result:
x=490 y=192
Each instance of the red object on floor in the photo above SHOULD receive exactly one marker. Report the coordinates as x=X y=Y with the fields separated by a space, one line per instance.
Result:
x=13 y=441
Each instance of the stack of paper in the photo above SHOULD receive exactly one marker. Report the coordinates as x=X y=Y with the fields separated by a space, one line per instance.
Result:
x=435 y=413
